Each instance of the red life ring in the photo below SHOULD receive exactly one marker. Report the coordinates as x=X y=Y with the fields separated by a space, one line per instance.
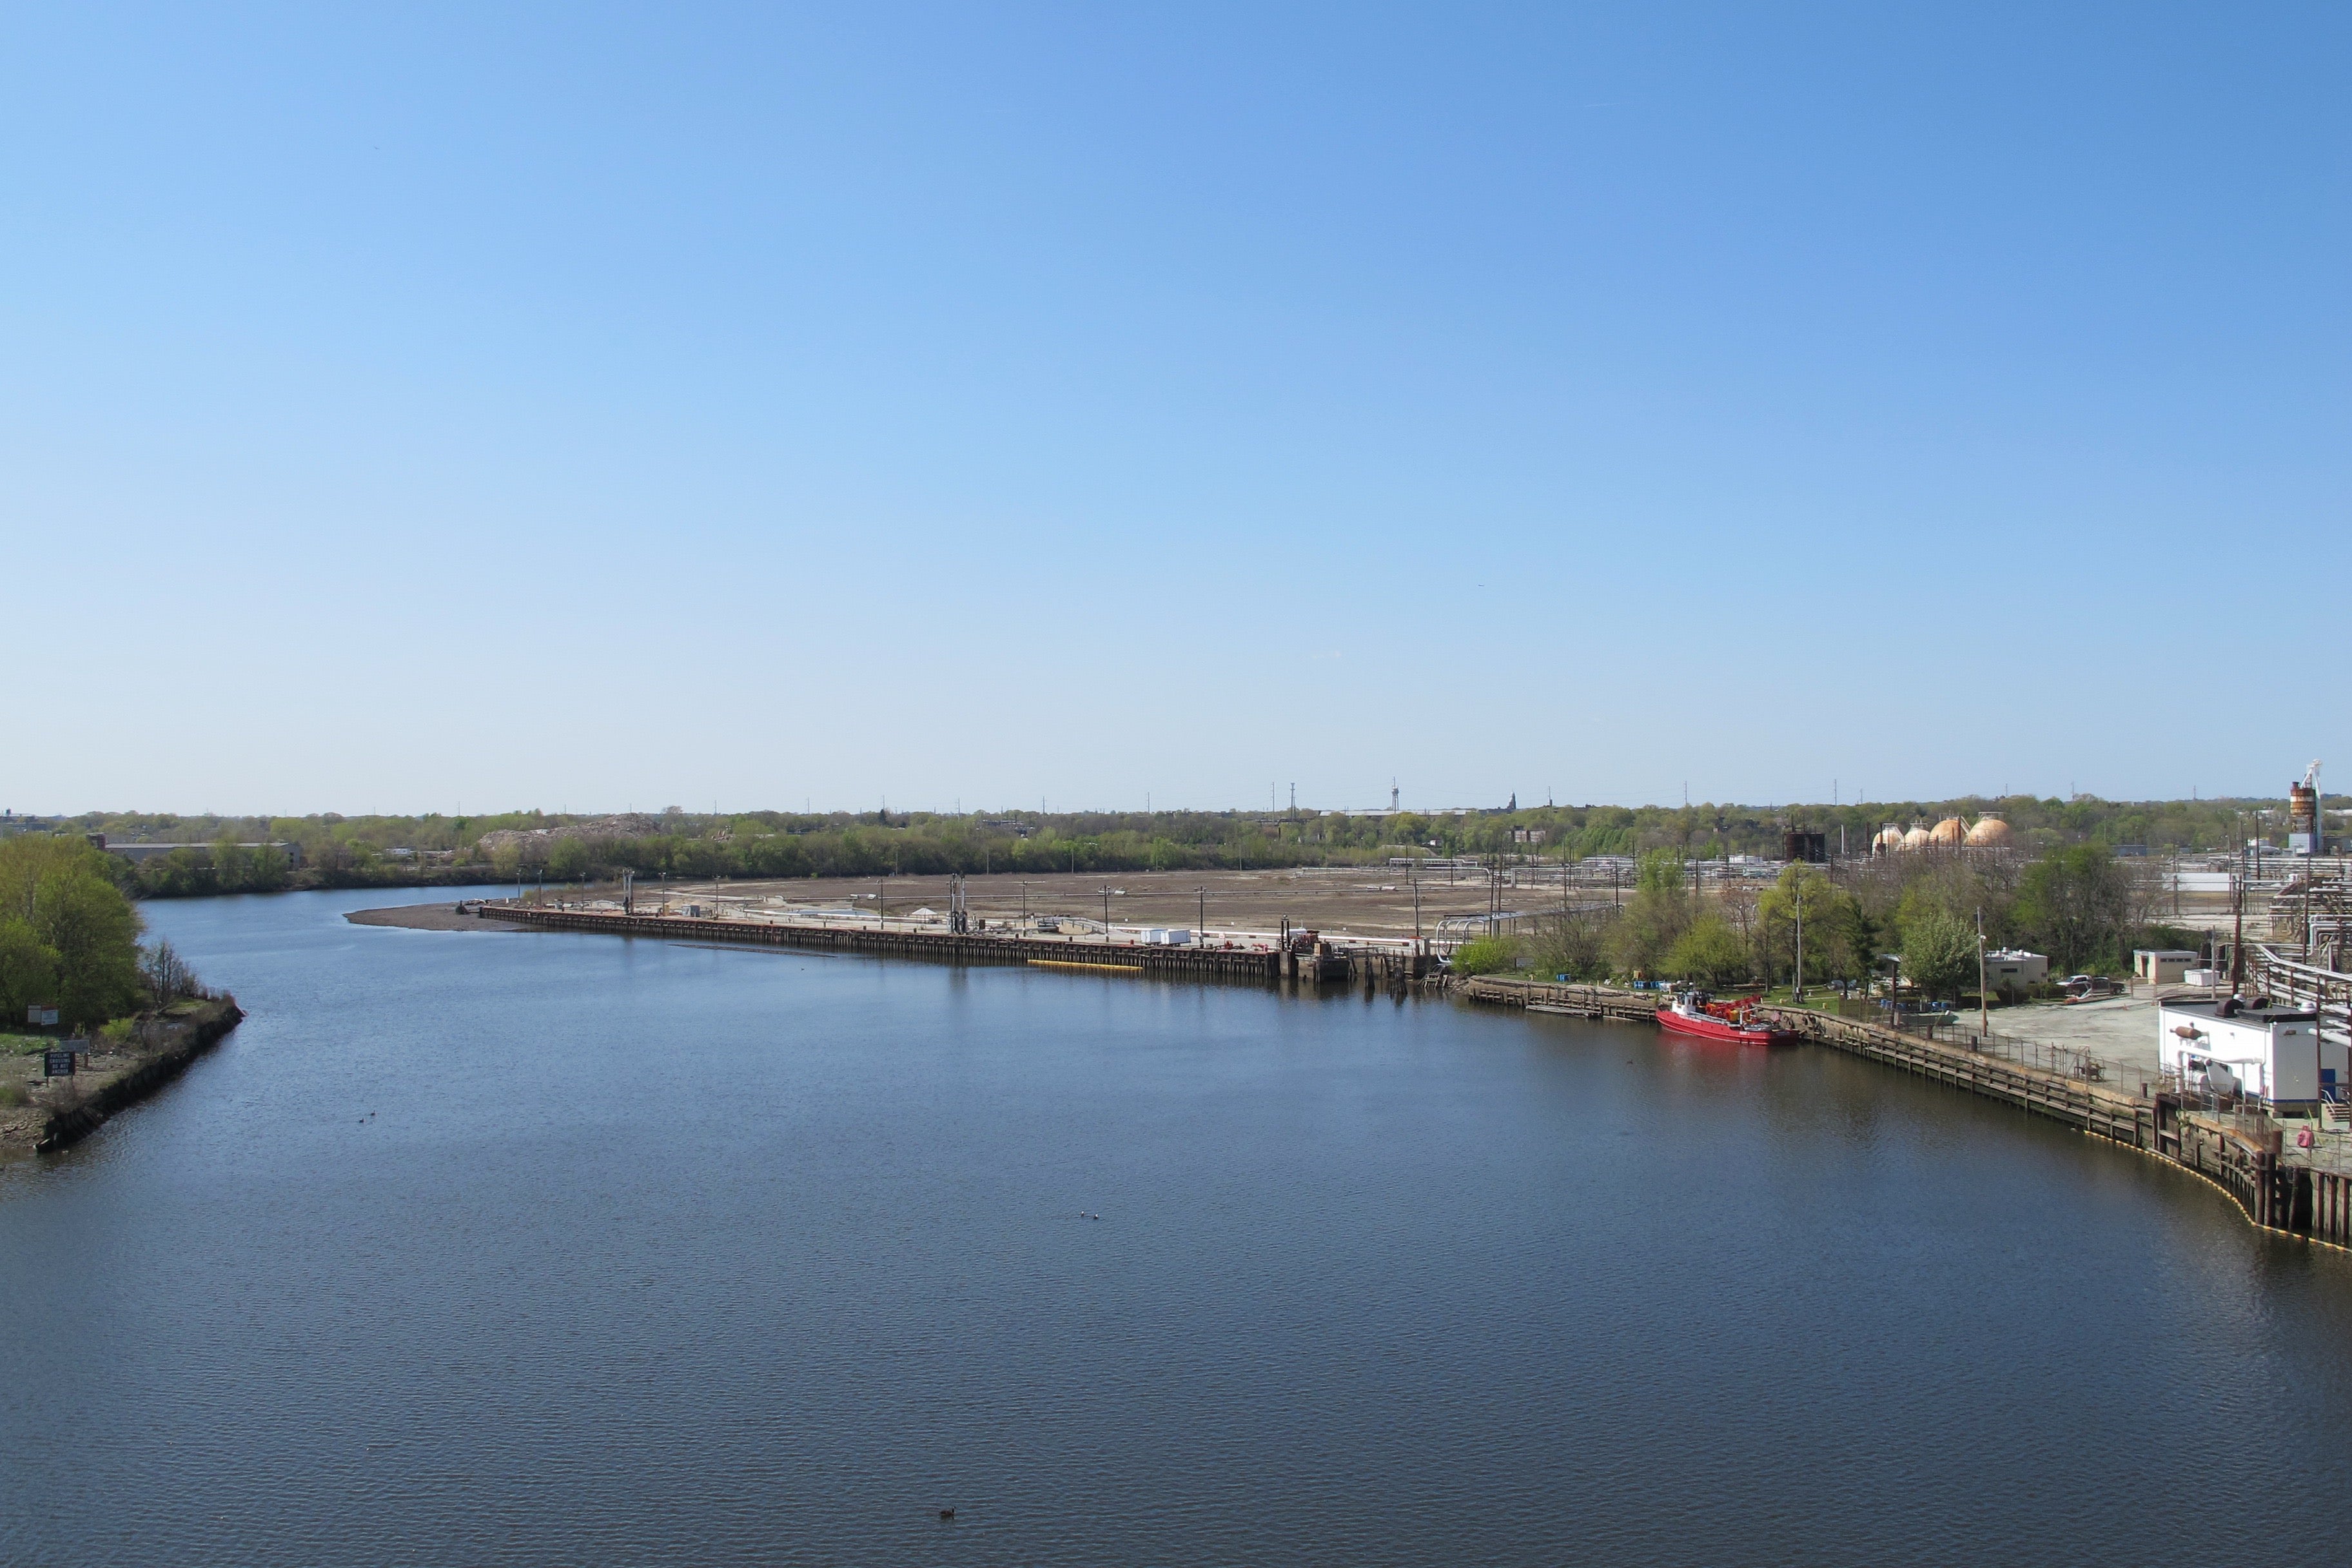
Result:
x=2303 y=1140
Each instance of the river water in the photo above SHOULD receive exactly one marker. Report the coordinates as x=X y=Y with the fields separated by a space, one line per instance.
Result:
x=471 y=1248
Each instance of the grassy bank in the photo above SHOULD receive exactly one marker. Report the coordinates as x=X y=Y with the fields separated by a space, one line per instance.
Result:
x=129 y=1059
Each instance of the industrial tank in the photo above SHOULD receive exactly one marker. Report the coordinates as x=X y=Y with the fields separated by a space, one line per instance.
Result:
x=1989 y=833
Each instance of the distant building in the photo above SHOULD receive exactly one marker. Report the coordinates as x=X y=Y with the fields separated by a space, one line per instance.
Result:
x=2163 y=966
x=135 y=853
x=2013 y=972
x=1801 y=843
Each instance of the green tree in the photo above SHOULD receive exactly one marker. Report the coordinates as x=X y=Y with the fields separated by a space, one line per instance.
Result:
x=28 y=968
x=1575 y=945
x=569 y=861
x=1826 y=909
x=95 y=932
x=1709 y=950
x=1487 y=955
x=2076 y=902
x=231 y=864
x=267 y=869
x=1654 y=918
x=1939 y=954
x=63 y=891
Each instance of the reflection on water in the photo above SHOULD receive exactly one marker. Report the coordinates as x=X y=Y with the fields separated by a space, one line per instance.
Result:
x=541 y=1249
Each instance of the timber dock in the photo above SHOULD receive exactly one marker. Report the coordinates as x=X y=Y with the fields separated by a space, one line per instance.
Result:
x=2241 y=1154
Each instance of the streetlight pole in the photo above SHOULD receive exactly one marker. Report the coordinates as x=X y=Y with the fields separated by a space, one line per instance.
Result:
x=1798 y=991
x=1984 y=1015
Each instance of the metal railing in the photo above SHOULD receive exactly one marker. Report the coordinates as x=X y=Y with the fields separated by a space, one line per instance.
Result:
x=1960 y=1030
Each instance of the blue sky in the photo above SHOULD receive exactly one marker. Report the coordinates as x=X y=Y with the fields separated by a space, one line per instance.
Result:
x=590 y=407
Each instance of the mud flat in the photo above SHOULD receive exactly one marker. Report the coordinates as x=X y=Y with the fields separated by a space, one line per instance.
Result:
x=430 y=917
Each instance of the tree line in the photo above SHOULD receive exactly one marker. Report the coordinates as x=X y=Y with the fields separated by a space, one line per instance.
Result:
x=334 y=850
x=2080 y=904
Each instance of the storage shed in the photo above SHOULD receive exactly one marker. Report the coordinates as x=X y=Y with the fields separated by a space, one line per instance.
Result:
x=2163 y=966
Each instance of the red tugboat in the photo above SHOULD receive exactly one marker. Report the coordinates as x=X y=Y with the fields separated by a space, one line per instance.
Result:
x=1732 y=1023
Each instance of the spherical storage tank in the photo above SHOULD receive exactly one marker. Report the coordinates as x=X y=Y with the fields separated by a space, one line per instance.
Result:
x=1917 y=838
x=1989 y=833
x=1889 y=839
x=1948 y=831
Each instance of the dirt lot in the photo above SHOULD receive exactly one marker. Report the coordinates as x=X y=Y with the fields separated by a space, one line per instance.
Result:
x=2120 y=1028
x=1361 y=901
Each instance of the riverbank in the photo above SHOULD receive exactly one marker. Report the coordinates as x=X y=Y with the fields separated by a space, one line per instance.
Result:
x=812 y=1228
x=54 y=1112
x=201 y=883
x=2243 y=1152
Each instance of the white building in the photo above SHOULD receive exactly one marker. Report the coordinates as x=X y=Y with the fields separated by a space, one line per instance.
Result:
x=2268 y=1053
x=2163 y=966
x=2012 y=971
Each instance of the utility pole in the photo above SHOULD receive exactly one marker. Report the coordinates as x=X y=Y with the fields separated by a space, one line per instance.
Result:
x=2238 y=929
x=1984 y=1015
x=1105 y=898
x=1799 y=989
x=1201 y=929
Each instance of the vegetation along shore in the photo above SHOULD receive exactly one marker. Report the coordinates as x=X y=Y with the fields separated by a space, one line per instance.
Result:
x=163 y=855
x=90 y=1019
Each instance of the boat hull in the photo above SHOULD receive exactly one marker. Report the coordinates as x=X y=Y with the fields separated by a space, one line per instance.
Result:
x=1720 y=1030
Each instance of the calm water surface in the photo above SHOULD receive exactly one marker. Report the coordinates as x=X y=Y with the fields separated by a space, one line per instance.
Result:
x=474 y=1249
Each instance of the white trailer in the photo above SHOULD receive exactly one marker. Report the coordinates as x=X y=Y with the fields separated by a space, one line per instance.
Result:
x=2271 y=1054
